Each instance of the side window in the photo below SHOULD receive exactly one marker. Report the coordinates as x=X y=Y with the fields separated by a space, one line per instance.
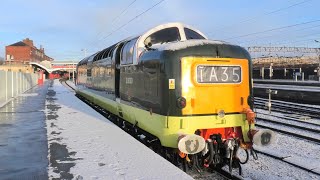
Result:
x=98 y=56
x=105 y=53
x=127 y=52
x=163 y=36
x=89 y=72
x=191 y=34
x=111 y=51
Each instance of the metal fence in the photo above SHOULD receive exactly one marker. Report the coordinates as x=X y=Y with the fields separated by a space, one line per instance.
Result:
x=15 y=83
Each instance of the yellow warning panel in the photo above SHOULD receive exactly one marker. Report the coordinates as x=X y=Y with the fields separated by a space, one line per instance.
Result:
x=172 y=84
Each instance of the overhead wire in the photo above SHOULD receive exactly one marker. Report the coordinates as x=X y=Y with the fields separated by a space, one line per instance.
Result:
x=123 y=11
x=119 y=15
x=264 y=14
x=271 y=36
x=273 y=29
x=301 y=40
x=112 y=21
x=133 y=19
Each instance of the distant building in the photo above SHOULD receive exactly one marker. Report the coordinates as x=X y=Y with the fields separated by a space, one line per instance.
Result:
x=24 y=51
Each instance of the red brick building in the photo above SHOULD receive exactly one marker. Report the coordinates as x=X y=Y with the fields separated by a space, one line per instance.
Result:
x=25 y=51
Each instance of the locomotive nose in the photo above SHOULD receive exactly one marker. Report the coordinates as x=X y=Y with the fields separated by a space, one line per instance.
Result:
x=262 y=137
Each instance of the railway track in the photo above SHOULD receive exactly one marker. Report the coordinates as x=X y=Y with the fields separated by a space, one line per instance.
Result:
x=299 y=119
x=196 y=175
x=292 y=125
x=287 y=132
x=314 y=128
x=285 y=107
x=284 y=159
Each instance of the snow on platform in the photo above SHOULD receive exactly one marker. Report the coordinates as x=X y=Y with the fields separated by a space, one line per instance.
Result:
x=85 y=145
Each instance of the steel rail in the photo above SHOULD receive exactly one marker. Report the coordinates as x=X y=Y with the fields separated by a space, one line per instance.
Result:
x=288 y=162
x=290 y=133
x=290 y=125
x=289 y=118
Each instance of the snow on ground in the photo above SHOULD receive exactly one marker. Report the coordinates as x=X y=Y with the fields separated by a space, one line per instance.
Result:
x=265 y=114
x=266 y=168
x=297 y=151
x=289 y=129
x=85 y=145
x=293 y=121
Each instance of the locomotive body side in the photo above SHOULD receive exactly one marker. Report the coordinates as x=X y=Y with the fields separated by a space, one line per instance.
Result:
x=150 y=99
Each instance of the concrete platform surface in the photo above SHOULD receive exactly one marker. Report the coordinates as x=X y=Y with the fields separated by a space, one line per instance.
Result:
x=48 y=133
x=23 y=136
x=85 y=145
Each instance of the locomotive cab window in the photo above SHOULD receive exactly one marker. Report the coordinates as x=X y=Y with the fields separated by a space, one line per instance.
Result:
x=191 y=34
x=163 y=36
x=127 y=52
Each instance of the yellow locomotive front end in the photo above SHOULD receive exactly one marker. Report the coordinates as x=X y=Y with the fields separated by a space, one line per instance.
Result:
x=217 y=92
x=217 y=117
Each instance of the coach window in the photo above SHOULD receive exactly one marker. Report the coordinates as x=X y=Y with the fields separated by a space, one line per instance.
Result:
x=191 y=34
x=98 y=56
x=105 y=54
x=127 y=52
x=164 y=36
x=101 y=54
x=95 y=58
x=111 y=51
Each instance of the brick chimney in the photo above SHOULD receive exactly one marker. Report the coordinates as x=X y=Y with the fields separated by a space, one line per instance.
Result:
x=28 y=41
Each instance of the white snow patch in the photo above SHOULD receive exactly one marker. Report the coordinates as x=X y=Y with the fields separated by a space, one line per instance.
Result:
x=266 y=168
x=103 y=151
x=311 y=164
x=294 y=150
x=28 y=94
x=173 y=46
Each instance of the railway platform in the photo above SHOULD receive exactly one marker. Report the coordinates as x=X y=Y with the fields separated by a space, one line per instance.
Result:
x=300 y=92
x=23 y=138
x=48 y=133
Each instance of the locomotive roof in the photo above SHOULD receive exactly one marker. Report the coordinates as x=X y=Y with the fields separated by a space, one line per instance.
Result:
x=179 y=25
x=140 y=45
x=184 y=44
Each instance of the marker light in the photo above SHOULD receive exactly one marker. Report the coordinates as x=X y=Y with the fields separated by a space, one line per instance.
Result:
x=181 y=102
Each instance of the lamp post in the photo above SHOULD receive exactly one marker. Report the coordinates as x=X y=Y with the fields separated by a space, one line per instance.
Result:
x=318 y=72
